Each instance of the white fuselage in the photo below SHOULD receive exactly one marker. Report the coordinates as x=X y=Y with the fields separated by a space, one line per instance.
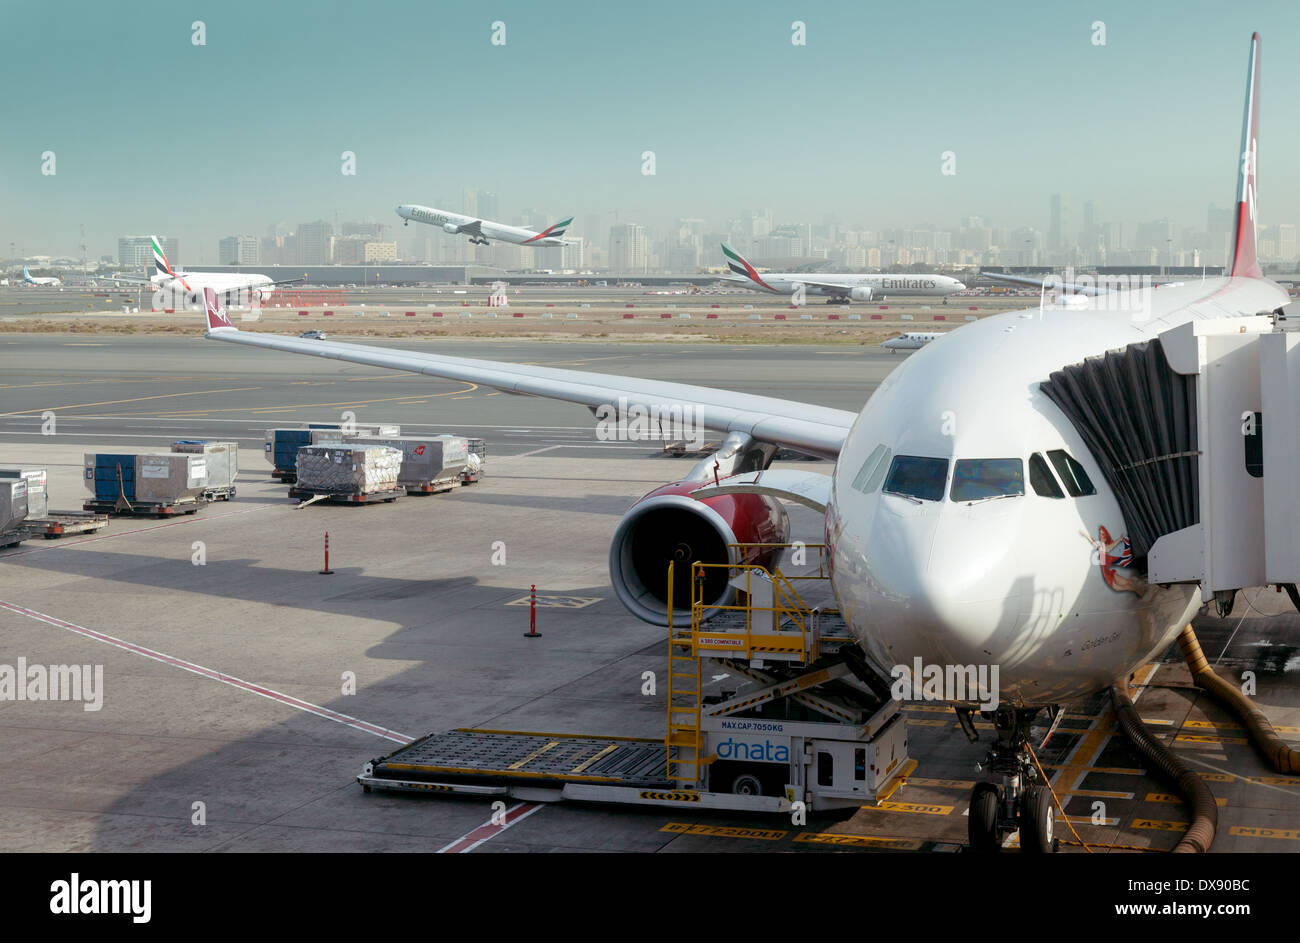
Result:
x=1010 y=582
x=887 y=286
x=245 y=286
x=454 y=222
x=912 y=340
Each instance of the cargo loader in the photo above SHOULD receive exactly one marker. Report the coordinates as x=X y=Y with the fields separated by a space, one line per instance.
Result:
x=807 y=721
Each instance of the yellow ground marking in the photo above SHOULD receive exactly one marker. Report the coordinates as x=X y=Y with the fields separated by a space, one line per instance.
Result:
x=1159 y=825
x=918 y=808
x=1255 y=831
x=1176 y=800
x=941 y=783
x=1098 y=793
x=873 y=841
x=1117 y=770
x=1087 y=820
x=348 y=405
x=1205 y=738
x=139 y=399
x=927 y=723
x=725 y=831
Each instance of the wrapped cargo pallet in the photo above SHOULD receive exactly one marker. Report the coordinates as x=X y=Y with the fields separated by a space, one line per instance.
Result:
x=38 y=498
x=222 y=459
x=13 y=503
x=282 y=445
x=348 y=469
x=428 y=464
x=170 y=478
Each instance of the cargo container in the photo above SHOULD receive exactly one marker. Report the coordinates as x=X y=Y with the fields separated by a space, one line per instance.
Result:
x=145 y=483
x=281 y=448
x=348 y=472
x=13 y=506
x=223 y=464
x=170 y=478
x=38 y=498
x=474 y=467
x=110 y=475
x=429 y=464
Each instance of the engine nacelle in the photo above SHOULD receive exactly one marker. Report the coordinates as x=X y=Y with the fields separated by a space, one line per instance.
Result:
x=668 y=525
x=451 y=228
x=860 y=294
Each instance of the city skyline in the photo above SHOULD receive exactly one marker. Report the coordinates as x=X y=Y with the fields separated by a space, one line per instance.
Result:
x=196 y=140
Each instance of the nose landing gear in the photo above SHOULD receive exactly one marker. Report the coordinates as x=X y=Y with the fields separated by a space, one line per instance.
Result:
x=1013 y=797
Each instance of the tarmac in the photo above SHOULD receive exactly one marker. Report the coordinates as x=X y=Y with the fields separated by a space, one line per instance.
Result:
x=242 y=690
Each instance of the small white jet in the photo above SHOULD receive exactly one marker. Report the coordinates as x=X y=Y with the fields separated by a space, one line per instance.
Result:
x=40 y=282
x=841 y=288
x=911 y=340
x=480 y=231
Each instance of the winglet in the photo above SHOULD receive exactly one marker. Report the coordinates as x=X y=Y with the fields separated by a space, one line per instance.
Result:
x=1245 y=263
x=218 y=320
x=741 y=267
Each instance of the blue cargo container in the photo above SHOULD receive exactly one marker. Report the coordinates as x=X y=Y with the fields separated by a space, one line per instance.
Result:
x=101 y=477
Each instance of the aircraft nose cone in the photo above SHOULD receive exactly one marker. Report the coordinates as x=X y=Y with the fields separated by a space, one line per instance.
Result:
x=946 y=580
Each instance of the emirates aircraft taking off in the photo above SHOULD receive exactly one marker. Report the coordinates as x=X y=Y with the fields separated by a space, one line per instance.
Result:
x=480 y=231
x=841 y=288
x=955 y=509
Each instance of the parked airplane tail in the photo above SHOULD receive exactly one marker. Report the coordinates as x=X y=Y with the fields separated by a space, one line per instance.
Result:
x=27 y=276
x=1245 y=263
x=743 y=268
x=162 y=268
x=217 y=317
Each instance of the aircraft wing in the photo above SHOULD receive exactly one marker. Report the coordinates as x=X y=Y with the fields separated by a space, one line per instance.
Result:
x=1051 y=281
x=471 y=229
x=814 y=430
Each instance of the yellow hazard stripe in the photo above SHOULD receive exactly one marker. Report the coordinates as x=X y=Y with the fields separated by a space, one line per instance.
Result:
x=535 y=754
x=605 y=752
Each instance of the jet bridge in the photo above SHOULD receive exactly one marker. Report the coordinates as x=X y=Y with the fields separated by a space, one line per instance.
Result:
x=1197 y=432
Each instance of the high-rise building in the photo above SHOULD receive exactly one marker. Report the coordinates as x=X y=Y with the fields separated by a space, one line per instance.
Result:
x=137 y=251
x=314 y=243
x=1059 y=234
x=238 y=250
x=627 y=248
x=1286 y=248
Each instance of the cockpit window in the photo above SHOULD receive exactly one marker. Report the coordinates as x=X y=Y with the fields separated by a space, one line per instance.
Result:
x=868 y=477
x=1076 y=480
x=974 y=479
x=1041 y=479
x=919 y=478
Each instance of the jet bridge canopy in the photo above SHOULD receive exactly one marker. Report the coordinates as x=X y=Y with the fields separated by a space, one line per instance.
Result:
x=1198 y=434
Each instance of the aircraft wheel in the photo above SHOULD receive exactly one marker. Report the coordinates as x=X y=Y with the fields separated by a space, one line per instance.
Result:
x=982 y=823
x=1037 y=821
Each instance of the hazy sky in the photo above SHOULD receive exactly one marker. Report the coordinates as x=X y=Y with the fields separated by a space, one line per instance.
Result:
x=154 y=134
